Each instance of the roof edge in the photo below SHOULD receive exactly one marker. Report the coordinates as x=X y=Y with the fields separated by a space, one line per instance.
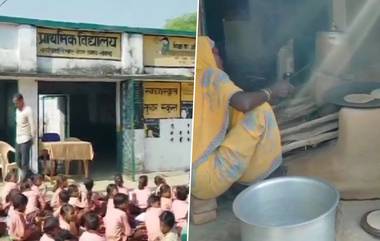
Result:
x=95 y=27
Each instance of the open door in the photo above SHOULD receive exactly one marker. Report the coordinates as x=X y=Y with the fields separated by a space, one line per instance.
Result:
x=54 y=115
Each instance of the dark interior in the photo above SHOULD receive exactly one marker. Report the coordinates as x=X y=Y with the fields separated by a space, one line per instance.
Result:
x=273 y=22
x=8 y=88
x=92 y=116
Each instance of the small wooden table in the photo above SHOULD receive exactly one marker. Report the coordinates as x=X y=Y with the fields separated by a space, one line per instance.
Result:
x=68 y=151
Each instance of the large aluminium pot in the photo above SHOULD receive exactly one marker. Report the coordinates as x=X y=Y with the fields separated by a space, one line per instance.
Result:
x=287 y=209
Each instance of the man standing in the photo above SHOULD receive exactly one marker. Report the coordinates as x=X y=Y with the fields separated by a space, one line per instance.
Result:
x=25 y=133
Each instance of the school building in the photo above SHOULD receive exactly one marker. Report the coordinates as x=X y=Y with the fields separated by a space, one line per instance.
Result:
x=127 y=91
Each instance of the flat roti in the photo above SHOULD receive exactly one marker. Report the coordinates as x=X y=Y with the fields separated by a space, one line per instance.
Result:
x=376 y=93
x=373 y=219
x=358 y=98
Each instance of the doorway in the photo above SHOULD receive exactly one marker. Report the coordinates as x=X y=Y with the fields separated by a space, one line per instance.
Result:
x=54 y=115
x=8 y=88
x=84 y=110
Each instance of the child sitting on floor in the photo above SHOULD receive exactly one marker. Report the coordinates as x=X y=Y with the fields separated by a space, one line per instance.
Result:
x=65 y=235
x=158 y=181
x=9 y=206
x=141 y=195
x=167 y=223
x=39 y=185
x=75 y=198
x=166 y=197
x=86 y=192
x=92 y=224
x=50 y=228
x=35 y=201
x=68 y=220
x=64 y=198
x=152 y=218
x=60 y=185
x=119 y=182
x=180 y=206
x=18 y=228
x=10 y=182
x=116 y=220
x=111 y=193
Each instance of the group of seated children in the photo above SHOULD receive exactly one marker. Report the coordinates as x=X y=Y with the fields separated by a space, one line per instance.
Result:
x=75 y=212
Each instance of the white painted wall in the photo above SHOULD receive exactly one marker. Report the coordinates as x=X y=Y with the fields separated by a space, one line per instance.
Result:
x=18 y=47
x=132 y=58
x=29 y=89
x=162 y=154
x=140 y=150
x=77 y=66
x=8 y=47
x=170 y=71
x=27 y=48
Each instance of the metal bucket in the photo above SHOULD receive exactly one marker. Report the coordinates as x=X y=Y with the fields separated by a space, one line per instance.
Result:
x=287 y=209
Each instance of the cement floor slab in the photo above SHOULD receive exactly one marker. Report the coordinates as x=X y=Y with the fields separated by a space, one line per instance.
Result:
x=226 y=227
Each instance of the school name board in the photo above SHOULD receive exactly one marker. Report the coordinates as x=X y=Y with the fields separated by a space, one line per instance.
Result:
x=160 y=51
x=78 y=44
x=161 y=100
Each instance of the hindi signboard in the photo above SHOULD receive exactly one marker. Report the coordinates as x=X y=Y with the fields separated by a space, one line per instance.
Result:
x=160 y=51
x=78 y=44
x=161 y=100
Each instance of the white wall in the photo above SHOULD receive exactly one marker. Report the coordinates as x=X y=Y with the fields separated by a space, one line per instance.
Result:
x=139 y=150
x=17 y=48
x=29 y=89
x=132 y=58
x=8 y=48
x=162 y=154
x=18 y=53
x=27 y=48
x=170 y=71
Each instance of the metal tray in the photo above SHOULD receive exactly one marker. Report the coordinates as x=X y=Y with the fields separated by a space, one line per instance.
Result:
x=336 y=95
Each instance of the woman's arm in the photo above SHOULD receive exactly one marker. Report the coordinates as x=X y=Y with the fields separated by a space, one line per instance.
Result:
x=247 y=101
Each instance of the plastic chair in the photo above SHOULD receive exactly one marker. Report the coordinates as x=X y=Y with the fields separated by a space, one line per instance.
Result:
x=5 y=165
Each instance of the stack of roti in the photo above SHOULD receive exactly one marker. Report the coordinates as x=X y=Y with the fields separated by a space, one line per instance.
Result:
x=359 y=98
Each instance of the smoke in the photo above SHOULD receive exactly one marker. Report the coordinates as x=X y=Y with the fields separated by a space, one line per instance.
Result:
x=338 y=60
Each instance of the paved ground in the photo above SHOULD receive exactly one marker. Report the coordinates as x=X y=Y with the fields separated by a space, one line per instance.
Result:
x=226 y=227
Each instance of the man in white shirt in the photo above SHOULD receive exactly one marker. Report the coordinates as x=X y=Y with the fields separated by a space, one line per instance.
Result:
x=25 y=133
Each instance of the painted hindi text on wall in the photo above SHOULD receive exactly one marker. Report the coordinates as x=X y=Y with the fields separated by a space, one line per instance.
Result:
x=161 y=100
x=78 y=44
x=160 y=51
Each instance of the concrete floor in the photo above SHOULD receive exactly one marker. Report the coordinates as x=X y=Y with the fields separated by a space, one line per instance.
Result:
x=226 y=227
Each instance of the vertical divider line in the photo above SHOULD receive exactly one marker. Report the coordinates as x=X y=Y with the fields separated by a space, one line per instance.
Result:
x=199 y=17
